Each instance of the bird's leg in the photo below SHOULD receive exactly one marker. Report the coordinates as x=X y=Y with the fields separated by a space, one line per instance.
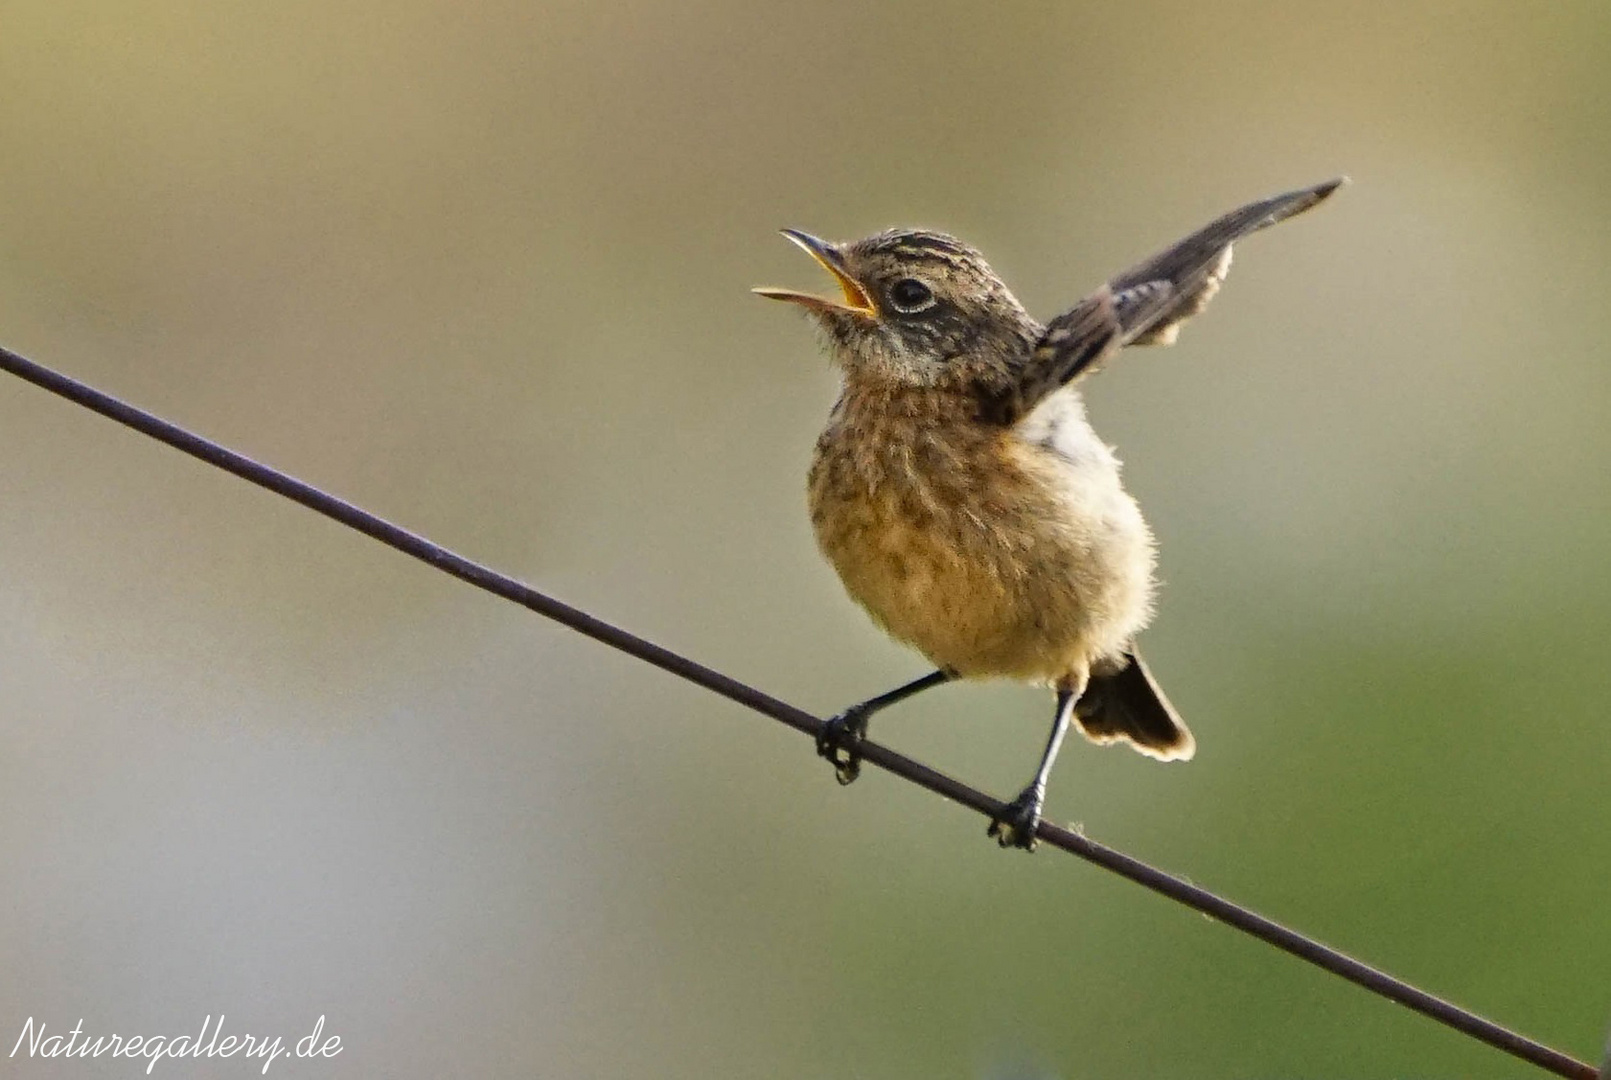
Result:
x=840 y=738
x=1016 y=825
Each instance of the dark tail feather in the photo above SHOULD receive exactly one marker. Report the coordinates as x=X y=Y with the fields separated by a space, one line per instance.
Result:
x=1126 y=705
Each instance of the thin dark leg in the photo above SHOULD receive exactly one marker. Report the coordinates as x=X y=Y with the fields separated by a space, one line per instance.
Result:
x=1016 y=825
x=840 y=738
x=1054 y=741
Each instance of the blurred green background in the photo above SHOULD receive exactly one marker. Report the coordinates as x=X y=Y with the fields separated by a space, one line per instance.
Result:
x=482 y=267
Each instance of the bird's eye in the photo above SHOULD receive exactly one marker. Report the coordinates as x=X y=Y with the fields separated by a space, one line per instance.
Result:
x=910 y=295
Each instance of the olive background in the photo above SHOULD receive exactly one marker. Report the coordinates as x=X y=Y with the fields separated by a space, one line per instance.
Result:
x=482 y=268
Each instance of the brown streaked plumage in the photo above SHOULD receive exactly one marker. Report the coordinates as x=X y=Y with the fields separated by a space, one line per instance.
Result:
x=962 y=496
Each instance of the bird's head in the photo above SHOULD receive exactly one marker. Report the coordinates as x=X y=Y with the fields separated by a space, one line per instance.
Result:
x=917 y=307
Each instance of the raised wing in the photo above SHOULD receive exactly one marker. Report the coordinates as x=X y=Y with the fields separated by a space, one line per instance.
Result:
x=1146 y=304
x=1155 y=297
x=1077 y=340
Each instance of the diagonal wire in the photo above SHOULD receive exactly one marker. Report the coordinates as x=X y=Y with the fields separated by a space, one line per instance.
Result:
x=394 y=536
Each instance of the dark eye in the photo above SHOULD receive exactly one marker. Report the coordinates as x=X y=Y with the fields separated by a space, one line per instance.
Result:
x=910 y=294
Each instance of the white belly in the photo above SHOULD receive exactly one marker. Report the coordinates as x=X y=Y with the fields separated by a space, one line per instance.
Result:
x=1113 y=554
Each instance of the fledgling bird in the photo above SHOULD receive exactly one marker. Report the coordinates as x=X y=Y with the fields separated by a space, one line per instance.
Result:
x=964 y=499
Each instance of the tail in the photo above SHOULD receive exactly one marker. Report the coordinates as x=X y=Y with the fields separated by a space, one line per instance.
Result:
x=1126 y=705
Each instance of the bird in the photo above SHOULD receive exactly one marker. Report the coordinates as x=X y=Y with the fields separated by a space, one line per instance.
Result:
x=962 y=496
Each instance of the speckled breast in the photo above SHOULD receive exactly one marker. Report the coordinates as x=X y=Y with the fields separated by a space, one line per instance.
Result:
x=992 y=553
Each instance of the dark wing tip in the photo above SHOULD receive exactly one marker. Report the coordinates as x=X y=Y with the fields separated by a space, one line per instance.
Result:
x=1296 y=202
x=1322 y=190
x=1177 y=263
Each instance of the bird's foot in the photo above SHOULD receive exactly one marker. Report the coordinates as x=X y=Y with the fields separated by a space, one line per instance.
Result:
x=1015 y=825
x=840 y=742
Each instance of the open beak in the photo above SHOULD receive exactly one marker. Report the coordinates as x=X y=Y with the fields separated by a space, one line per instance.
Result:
x=856 y=300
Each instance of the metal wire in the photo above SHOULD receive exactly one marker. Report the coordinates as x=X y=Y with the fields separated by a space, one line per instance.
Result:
x=483 y=577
